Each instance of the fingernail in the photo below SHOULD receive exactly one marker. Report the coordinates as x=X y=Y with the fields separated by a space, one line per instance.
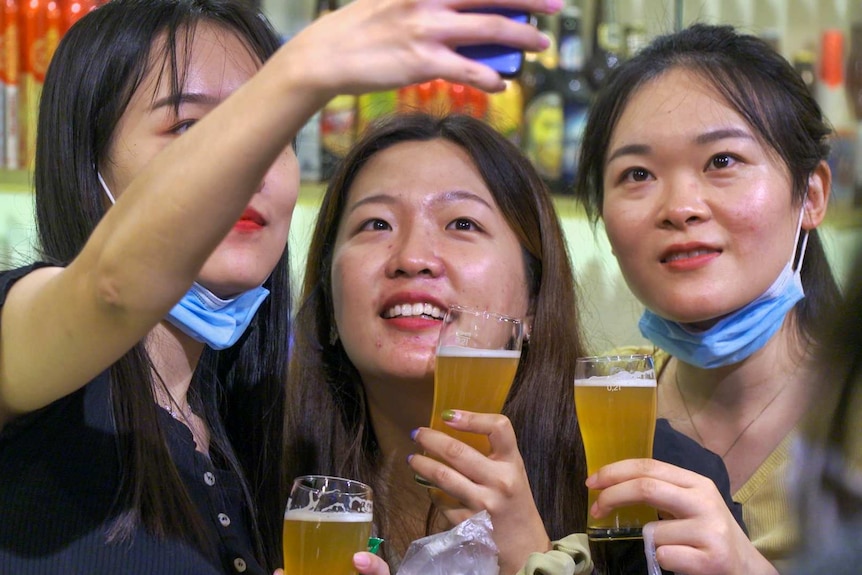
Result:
x=414 y=433
x=409 y=457
x=361 y=561
x=594 y=510
x=590 y=480
x=450 y=415
x=555 y=5
x=546 y=41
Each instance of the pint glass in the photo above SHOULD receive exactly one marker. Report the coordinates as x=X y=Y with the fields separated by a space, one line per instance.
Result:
x=615 y=398
x=327 y=520
x=477 y=357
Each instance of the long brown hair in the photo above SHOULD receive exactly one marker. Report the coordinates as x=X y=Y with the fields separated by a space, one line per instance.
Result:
x=328 y=428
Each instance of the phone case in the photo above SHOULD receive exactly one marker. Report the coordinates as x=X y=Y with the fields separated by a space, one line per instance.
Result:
x=507 y=61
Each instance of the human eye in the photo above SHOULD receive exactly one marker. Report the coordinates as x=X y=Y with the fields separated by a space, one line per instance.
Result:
x=375 y=225
x=721 y=161
x=463 y=225
x=181 y=126
x=635 y=175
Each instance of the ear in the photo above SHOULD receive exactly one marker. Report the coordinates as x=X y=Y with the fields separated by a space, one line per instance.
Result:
x=817 y=197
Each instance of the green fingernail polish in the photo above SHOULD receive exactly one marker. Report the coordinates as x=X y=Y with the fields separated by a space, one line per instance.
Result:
x=448 y=415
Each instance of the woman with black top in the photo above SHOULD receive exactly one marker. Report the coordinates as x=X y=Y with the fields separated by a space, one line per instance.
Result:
x=142 y=360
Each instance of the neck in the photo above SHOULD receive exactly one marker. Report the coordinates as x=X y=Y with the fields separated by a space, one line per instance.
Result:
x=396 y=408
x=743 y=411
x=175 y=357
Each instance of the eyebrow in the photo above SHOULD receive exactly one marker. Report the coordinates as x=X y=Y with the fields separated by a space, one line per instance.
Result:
x=444 y=198
x=701 y=139
x=177 y=100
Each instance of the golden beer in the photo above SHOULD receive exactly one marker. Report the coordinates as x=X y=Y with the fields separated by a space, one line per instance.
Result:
x=617 y=417
x=318 y=542
x=473 y=380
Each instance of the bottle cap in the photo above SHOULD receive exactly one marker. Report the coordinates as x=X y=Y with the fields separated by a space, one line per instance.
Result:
x=832 y=58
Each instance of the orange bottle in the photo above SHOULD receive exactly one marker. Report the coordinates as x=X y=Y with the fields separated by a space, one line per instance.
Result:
x=11 y=50
x=41 y=27
x=74 y=10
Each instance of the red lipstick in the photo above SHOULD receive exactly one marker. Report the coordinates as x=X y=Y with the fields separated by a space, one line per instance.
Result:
x=249 y=221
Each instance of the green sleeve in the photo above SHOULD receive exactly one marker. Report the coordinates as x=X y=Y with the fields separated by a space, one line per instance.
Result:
x=568 y=556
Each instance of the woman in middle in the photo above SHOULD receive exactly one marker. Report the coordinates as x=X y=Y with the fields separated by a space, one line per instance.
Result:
x=426 y=212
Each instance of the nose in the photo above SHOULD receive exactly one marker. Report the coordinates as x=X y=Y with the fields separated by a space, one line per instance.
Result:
x=414 y=252
x=683 y=203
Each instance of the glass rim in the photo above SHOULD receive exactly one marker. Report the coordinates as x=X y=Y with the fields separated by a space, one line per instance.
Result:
x=363 y=488
x=484 y=313
x=614 y=358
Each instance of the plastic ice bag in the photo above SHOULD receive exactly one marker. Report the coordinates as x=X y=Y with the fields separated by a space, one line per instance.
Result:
x=466 y=549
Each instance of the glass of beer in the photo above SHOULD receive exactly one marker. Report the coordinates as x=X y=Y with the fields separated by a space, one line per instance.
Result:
x=477 y=357
x=615 y=398
x=327 y=520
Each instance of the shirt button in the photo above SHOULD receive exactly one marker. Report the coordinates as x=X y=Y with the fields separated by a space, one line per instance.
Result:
x=239 y=565
x=223 y=519
x=209 y=478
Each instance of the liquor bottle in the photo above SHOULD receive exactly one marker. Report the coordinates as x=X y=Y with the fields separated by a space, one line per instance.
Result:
x=309 y=147
x=41 y=27
x=607 y=44
x=74 y=10
x=576 y=94
x=834 y=101
x=542 y=139
x=854 y=91
x=635 y=38
x=804 y=62
x=506 y=111
x=11 y=51
x=372 y=106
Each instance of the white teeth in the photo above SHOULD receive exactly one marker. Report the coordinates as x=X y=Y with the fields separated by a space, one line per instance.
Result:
x=692 y=254
x=414 y=310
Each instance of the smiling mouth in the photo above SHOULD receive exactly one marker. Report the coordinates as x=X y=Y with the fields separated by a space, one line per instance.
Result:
x=425 y=310
x=687 y=255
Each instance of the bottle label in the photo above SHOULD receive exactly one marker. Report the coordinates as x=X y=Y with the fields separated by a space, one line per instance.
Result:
x=543 y=137
x=575 y=115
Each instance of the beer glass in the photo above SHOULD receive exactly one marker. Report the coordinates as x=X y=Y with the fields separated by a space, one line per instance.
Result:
x=615 y=398
x=327 y=520
x=477 y=357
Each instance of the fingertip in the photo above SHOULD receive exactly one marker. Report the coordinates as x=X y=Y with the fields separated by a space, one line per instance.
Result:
x=362 y=560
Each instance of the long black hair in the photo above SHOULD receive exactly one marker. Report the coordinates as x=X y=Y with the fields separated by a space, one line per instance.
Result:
x=763 y=88
x=98 y=66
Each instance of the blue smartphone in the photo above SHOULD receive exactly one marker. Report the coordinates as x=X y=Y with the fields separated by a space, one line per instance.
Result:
x=507 y=61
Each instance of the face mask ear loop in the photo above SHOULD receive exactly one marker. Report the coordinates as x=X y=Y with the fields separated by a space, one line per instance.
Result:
x=105 y=187
x=796 y=248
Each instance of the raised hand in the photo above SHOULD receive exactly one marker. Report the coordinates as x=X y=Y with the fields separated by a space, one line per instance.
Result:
x=387 y=43
x=469 y=482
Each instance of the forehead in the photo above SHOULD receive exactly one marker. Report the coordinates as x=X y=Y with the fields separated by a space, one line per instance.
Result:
x=419 y=168
x=679 y=101
x=208 y=58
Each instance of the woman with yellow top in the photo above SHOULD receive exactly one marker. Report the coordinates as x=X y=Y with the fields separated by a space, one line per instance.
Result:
x=705 y=157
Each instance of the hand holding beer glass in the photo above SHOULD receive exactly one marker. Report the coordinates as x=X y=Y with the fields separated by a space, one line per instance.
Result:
x=327 y=520
x=477 y=357
x=615 y=398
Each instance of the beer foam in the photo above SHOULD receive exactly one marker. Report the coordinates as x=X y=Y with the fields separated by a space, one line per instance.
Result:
x=621 y=379
x=459 y=351
x=324 y=517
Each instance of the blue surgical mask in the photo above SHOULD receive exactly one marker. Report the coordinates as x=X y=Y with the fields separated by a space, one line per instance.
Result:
x=205 y=317
x=738 y=335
